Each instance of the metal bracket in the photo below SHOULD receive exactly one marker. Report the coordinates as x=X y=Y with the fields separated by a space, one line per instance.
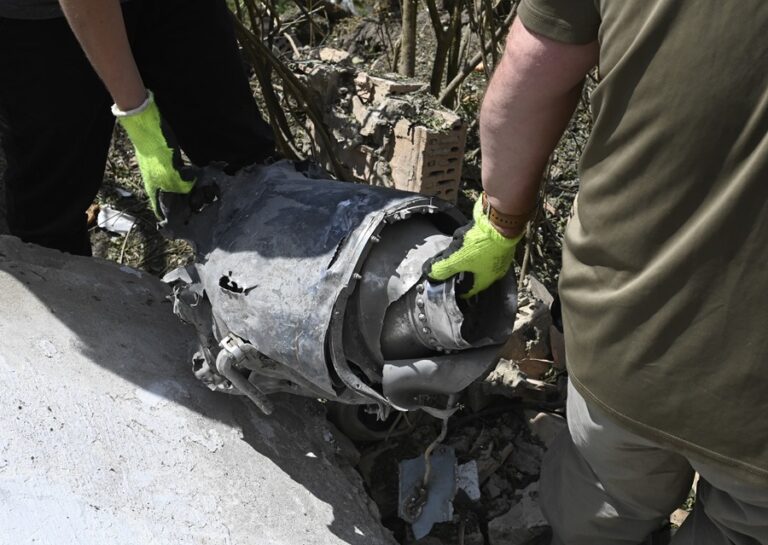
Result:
x=233 y=350
x=233 y=344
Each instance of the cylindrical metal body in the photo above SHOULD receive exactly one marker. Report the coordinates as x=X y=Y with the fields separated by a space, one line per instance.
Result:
x=323 y=278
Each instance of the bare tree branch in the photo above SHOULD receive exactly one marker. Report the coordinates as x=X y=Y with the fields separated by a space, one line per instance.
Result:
x=474 y=62
x=407 y=65
x=294 y=87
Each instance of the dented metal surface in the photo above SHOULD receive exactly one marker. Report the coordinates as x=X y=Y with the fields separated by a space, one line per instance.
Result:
x=321 y=281
x=408 y=382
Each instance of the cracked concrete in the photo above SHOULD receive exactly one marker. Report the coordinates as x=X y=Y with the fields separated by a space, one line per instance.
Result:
x=107 y=437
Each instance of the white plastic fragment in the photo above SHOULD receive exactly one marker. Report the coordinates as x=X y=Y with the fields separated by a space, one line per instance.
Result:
x=468 y=480
x=115 y=221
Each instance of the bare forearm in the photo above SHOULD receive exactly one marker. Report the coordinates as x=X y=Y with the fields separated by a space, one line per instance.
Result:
x=518 y=131
x=100 y=29
x=526 y=109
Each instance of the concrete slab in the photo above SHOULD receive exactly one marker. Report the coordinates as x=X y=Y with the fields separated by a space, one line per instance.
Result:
x=106 y=436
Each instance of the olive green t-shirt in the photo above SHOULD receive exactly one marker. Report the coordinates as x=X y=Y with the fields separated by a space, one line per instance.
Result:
x=665 y=263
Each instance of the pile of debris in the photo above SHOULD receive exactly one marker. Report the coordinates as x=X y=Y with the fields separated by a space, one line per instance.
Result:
x=532 y=362
x=388 y=131
x=502 y=431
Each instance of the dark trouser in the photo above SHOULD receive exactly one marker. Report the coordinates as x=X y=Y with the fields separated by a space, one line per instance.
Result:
x=58 y=123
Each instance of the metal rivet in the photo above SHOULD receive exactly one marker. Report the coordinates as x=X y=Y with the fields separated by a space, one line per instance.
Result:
x=420 y=288
x=426 y=330
x=357 y=276
x=420 y=303
x=423 y=317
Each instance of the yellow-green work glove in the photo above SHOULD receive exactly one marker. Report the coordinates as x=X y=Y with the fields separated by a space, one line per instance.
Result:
x=478 y=249
x=158 y=157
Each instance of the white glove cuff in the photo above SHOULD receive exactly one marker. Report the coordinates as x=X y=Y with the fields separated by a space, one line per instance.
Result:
x=117 y=112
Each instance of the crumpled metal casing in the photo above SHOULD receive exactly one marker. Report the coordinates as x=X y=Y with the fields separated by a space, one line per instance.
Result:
x=282 y=262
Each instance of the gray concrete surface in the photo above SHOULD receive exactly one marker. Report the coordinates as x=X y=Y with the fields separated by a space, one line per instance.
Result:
x=106 y=436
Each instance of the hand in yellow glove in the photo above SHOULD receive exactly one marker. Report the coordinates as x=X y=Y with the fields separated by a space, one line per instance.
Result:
x=478 y=249
x=159 y=159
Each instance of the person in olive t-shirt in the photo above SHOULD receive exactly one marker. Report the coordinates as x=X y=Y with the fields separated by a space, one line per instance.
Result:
x=665 y=271
x=58 y=77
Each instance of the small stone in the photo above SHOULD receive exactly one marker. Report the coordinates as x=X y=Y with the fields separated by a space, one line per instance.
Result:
x=495 y=486
x=329 y=54
x=546 y=426
x=678 y=517
x=522 y=522
x=526 y=456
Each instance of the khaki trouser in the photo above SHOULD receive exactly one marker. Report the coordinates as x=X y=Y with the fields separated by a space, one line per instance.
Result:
x=603 y=485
